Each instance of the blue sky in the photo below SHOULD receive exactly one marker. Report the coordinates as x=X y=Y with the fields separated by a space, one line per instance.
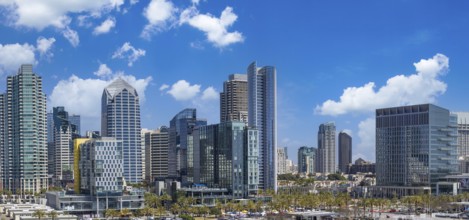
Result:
x=359 y=55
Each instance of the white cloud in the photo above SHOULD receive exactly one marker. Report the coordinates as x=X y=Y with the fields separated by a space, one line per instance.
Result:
x=158 y=13
x=44 y=45
x=196 y=2
x=421 y=87
x=183 y=90
x=366 y=133
x=128 y=52
x=71 y=36
x=42 y=14
x=214 y=28
x=83 y=96
x=103 y=71
x=210 y=94
x=13 y=55
x=105 y=27
x=164 y=87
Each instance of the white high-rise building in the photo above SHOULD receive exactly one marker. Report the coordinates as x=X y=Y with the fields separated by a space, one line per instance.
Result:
x=281 y=161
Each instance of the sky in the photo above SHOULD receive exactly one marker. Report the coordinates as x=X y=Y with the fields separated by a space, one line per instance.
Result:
x=336 y=60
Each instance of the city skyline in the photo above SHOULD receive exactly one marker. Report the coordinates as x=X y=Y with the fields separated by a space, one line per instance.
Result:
x=331 y=59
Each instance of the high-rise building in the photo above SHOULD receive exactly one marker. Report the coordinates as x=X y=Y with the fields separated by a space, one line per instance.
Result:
x=225 y=156
x=307 y=160
x=181 y=145
x=101 y=169
x=61 y=154
x=120 y=118
x=76 y=163
x=23 y=134
x=156 y=154
x=281 y=161
x=262 y=115
x=234 y=99
x=345 y=151
x=289 y=166
x=415 y=145
x=75 y=120
x=463 y=141
x=326 y=148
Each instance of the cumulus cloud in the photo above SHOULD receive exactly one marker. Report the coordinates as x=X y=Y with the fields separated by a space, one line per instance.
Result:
x=83 y=96
x=214 y=28
x=103 y=71
x=44 y=45
x=71 y=36
x=210 y=94
x=13 y=55
x=105 y=27
x=158 y=13
x=128 y=52
x=42 y=14
x=421 y=87
x=366 y=146
x=183 y=90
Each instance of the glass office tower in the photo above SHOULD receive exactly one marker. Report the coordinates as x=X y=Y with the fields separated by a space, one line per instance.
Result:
x=415 y=145
x=23 y=135
x=181 y=148
x=120 y=118
x=262 y=115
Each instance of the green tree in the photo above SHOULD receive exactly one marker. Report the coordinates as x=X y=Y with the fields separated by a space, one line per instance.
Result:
x=125 y=213
x=111 y=213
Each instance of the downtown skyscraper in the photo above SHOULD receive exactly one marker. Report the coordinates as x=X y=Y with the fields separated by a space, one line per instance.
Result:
x=23 y=133
x=326 y=148
x=415 y=146
x=345 y=151
x=234 y=99
x=262 y=115
x=120 y=118
x=181 y=145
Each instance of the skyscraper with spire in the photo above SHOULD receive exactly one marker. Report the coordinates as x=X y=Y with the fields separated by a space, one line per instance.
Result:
x=23 y=134
x=120 y=118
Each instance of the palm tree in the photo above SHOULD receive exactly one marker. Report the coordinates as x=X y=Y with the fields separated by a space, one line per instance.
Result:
x=53 y=214
x=39 y=214
x=160 y=211
x=176 y=209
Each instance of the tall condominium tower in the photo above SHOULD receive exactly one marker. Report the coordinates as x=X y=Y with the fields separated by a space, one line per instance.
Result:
x=23 y=134
x=262 y=115
x=345 y=151
x=326 y=148
x=281 y=161
x=156 y=154
x=415 y=145
x=306 y=160
x=234 y=99
x=181 y=144
x=120 y=118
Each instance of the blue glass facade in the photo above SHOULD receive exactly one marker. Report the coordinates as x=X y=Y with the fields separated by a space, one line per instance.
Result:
x=181 y=145
x=120 y=118
x=415 y=145
x=262 y=115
